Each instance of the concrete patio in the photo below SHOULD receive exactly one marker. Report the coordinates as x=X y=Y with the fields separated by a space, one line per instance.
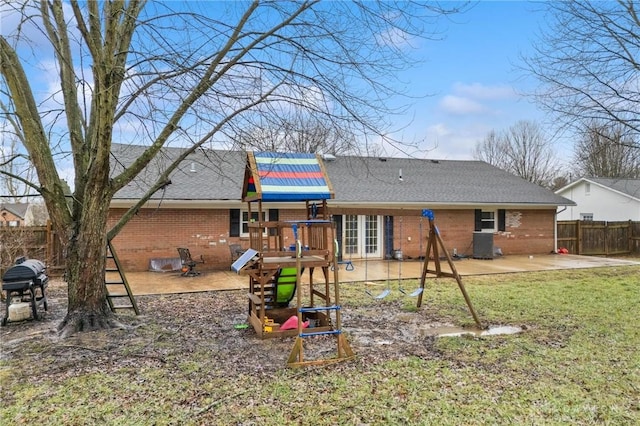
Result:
x=145 y=283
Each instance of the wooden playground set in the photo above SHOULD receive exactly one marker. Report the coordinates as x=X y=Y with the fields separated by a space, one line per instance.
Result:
x=275 y=266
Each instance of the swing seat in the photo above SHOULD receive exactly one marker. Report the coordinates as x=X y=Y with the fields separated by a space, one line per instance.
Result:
x=384 y=294
x=418 y=291
x=349 y=266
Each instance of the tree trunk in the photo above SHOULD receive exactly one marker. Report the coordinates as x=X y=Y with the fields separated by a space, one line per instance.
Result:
x=86 y=259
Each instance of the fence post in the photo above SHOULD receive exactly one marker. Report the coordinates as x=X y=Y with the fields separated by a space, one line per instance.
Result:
x=49 y=247
x=579 y=234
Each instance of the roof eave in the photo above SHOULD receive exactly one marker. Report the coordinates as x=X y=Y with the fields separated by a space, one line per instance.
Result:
x=195 y=204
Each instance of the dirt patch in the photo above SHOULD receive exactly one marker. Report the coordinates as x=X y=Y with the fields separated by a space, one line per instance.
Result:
x=173 y=328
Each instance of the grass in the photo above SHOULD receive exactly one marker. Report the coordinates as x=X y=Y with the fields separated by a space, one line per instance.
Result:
x=577 y=362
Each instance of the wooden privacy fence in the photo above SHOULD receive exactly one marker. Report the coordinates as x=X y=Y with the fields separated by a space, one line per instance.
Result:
x=599 y=238
x=34 y=242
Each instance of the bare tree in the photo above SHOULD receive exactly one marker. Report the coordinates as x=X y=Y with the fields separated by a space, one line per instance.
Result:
x=560 y=182
x=182 y=74
x=606 y=152
x=522 y=150
x=298 y=133
x=492 y=150
x=15 y=169
x=587 y=63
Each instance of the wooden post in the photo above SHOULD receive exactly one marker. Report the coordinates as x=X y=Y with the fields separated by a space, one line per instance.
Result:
x=434 y=241
x=579 y=234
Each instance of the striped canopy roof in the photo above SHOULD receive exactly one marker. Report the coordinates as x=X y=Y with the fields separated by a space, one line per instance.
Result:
x=272 y=176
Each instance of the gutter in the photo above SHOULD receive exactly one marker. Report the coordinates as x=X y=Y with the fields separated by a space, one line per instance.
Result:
x=555 y=229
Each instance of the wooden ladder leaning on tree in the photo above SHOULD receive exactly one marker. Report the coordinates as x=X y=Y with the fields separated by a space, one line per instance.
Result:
x=116 y=284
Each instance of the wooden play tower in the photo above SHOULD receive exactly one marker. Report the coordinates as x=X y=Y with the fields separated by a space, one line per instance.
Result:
x=285 y=255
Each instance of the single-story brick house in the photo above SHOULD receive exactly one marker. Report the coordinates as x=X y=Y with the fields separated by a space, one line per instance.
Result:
x=13 y=214
x=377 y=208
x=23 y=214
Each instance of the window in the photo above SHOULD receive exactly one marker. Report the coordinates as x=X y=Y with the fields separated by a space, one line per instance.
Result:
x=350 y=234
x=586 y=216
x=239 y=221
x=587 y=188
x=244 y=222
x=490 y=220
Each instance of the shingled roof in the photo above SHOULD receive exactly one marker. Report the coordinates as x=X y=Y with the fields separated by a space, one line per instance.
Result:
x=214 y=175
x=17 y=209
x=205 y=175
x=402 y=180
x=628 y=187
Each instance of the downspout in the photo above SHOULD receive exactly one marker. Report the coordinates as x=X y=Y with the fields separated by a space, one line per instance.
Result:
x=555 y=229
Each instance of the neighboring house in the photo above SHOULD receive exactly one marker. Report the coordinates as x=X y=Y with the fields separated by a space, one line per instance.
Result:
x=13 y=214
x=377 y=207
x=601 y=199
x=23 y=214
x=37 y=215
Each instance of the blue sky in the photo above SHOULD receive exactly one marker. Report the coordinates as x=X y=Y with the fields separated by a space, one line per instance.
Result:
x=473 y=80
x=467 y=82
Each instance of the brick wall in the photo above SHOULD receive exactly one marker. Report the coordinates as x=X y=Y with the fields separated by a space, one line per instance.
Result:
x=526 y=232
x=157 y=233
x=6 y=217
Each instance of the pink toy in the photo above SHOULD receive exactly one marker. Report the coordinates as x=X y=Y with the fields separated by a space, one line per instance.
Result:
x=292 y=323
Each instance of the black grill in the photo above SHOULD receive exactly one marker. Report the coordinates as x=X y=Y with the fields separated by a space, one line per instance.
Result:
x=26 y=281
x=27 y=270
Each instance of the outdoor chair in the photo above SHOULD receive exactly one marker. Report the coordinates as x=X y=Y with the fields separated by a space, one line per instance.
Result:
x=236 y=251
x=188 y=264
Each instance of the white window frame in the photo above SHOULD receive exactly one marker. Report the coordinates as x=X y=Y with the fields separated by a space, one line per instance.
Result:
x=244 y=221
x=494 y=219
x=364 y=241
x=587 y=188
x=586 y=216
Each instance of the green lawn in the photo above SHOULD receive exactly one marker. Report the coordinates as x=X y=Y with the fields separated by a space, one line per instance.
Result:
x=576 y=362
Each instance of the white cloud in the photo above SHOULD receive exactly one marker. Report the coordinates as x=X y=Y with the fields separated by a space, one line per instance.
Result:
x=477 y=98
x=460 y=105
x=394 y=37
x=446 y=142
x=438 y=130
x=485 y=92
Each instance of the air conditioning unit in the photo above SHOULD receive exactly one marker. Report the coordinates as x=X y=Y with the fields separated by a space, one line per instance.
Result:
x=482 y=245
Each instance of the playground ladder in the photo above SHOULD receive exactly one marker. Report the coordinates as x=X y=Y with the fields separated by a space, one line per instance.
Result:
x=116 y=284
x=296 y=358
